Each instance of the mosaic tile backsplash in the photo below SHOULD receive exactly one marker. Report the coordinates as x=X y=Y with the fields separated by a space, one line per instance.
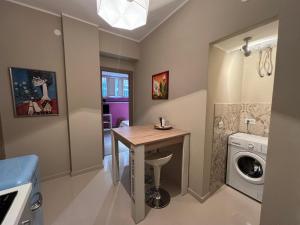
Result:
x=261 y=113
x=230 y=119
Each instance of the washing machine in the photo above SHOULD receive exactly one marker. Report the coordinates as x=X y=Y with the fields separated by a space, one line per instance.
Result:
x=246 y=164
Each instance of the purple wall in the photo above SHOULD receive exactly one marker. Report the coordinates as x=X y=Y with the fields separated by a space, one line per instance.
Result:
x=119 y=110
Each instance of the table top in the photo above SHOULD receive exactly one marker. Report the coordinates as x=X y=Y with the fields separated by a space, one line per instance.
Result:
x=141 y=135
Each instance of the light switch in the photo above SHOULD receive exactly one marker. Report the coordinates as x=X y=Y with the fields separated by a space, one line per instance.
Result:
x=221 y=125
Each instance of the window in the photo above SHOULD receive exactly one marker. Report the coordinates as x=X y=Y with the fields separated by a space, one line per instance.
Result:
x=125 y=88
x=104 y=87
x=115 y=85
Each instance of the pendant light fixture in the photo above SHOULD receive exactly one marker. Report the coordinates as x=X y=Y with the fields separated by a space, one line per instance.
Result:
x=124 y=14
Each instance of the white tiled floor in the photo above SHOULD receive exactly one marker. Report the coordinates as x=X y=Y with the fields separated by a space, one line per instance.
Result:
x=91 y=199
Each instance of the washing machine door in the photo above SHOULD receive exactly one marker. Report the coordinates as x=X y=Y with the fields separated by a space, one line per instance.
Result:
x=250 y=167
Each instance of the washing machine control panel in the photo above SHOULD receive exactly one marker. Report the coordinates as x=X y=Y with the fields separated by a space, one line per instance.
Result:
x=251 y=146
x=248 y=143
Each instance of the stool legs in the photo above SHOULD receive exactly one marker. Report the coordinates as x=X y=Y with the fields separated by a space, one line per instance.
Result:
x=157 y=170
x=157 y=197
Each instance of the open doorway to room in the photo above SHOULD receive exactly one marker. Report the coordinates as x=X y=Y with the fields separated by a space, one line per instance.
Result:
x=240 y=91
x=116 y=103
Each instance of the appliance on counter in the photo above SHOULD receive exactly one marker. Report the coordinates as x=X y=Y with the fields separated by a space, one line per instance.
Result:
x=246 y=164
x=23 y=170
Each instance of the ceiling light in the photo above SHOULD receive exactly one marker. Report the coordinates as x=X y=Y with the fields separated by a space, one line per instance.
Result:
x=124 y=14
x=268 y=42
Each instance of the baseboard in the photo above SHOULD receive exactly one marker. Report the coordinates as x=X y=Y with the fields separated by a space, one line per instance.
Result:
x=201 y=199
x=75 y=173
x=55 y=176
x=69 y=173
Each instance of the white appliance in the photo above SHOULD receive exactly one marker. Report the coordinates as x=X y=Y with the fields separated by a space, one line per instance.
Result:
x=15 y=205
x=246 y=164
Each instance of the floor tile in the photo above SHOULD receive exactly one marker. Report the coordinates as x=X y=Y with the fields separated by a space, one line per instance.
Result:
x=91 y=199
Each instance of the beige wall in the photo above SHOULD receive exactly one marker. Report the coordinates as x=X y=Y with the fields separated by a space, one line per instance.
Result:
x=282 y=196
x=112 y=45
x=185 y=54
x=225 y=77
x=254 y=88
x=181 y=45
x=81 y=45
x=27 y=40
x=117 y=63
x=2 y=153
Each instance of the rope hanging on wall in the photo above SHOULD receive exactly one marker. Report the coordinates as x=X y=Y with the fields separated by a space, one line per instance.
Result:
x=265 y=66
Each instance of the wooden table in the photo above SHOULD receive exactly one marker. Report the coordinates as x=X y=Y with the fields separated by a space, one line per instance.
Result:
x=140 y=139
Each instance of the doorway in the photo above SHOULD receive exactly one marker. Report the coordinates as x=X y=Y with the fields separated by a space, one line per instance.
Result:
x=117 y=103
x=240 y=91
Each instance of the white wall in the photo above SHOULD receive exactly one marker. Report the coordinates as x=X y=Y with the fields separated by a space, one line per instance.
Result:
x=225 y=77
x=254 y=88
x=233 y=78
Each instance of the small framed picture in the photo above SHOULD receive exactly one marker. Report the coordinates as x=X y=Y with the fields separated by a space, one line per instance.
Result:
x=160 y=86
x=34 y=92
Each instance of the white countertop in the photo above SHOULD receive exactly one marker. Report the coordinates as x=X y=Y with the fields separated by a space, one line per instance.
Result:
x=15 y=212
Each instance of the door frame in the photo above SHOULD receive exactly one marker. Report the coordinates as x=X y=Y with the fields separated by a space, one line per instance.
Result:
x=130 y=99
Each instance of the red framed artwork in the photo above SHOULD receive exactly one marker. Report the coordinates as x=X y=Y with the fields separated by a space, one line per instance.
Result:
x=160 y=86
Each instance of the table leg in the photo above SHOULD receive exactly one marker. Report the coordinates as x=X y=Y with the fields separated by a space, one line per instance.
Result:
x=185 y=164
x=137 y=156
x=115 y=159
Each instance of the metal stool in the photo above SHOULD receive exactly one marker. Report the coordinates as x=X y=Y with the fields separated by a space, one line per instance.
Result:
x=157 y=197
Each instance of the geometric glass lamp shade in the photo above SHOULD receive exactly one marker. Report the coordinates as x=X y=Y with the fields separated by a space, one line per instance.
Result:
x=124 y=14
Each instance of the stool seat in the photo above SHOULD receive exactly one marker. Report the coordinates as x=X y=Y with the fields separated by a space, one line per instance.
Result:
x=158 y=159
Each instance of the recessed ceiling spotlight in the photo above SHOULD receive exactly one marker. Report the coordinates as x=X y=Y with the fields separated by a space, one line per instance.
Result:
x=244 y=1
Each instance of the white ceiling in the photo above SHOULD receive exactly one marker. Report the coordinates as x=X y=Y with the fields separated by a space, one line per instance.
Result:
x=261 y=33
x=86 y=10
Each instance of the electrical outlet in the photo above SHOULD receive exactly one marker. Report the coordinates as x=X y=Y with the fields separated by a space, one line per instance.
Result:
x=250 y=121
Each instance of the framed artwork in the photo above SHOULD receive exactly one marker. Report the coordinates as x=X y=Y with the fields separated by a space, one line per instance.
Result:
x=160 y=86
x=34 y=92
